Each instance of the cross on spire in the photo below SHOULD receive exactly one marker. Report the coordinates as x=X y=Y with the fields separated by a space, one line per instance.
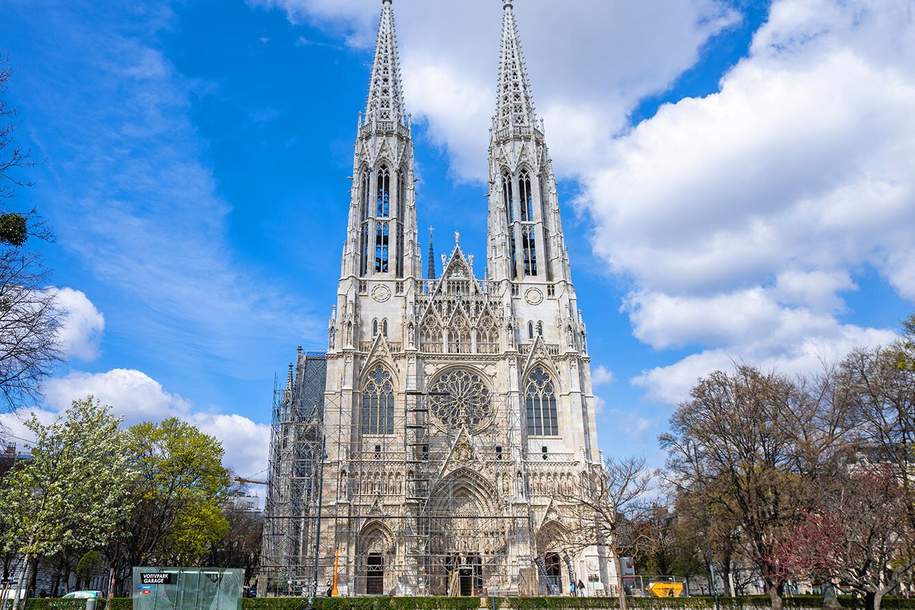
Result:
x=385 y=101
x=514 y=103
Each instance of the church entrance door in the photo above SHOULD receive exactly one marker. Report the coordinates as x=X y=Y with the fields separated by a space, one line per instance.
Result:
x=374 y=578
x=466 y=581
x=553 y=572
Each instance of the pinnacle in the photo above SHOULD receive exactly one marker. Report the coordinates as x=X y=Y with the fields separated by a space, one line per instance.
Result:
x=385 y=100
x=514 y=104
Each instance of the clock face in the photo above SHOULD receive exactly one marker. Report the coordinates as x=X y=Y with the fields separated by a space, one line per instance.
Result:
x=381 y=293
x=533 y=296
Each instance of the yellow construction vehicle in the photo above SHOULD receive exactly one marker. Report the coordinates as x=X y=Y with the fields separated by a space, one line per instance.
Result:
x=666 y=589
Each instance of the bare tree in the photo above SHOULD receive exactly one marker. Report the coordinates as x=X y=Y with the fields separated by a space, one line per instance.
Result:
x=749 y=446
x=606 y=510
x=29 y=320
x=12 y=157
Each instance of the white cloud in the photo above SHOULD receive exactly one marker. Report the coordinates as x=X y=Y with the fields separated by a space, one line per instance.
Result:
x=81 y=324
x=601 y=375
x=622 y=52
x=246 y=442
x=131 y=193
x=741 y=216
x=135 y=396
x=801 y=353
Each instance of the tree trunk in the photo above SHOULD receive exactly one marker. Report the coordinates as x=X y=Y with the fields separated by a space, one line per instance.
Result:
x=775 y=598
x=19 y=595
x=111 y=583
x=620 y=582
x=873 y=599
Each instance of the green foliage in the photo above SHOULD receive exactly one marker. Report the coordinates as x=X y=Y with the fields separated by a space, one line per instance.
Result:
x=176 y=513
x=13 y=229
x=364 y=603
x=72 y=493
x=118 y=603
x=88 y=565
x=51 y=603
x=58 y=604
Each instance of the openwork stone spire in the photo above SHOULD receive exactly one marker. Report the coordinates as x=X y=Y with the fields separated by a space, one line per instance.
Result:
x=514 y=104
x=385 y=101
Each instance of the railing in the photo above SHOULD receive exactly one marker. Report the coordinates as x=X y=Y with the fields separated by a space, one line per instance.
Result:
x=517 y=132
x=552 y=349
x=427 y=287
x=384 y=128
x=394 y=346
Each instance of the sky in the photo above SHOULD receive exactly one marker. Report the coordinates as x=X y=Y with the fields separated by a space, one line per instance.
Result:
x=737 y=183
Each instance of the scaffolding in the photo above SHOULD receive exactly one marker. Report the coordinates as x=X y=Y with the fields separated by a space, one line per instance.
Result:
x=451 y=503
x=289 y=564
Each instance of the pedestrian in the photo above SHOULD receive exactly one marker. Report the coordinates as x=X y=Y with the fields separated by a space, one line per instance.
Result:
x=581 y=588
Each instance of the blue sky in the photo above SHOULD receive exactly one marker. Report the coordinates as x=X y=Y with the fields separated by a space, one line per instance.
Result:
x=736 y=181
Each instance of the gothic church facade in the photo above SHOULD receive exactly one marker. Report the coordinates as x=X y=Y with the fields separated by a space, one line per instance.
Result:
x=458 y=408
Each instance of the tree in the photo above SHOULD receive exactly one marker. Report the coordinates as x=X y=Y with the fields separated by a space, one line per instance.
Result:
x=29 y=320
x=707 y=535
x=606 y=512
x=241 y=544
x=175 y=502
x=73 y=490
x=859 y=534
x=12 y=157
x=88 y=566
x=749 y=446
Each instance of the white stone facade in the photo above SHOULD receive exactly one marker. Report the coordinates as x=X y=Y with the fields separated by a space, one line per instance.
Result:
x=459 y=410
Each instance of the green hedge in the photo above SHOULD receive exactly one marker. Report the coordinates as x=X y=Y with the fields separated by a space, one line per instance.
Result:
x=363 y=603
x=749 y=602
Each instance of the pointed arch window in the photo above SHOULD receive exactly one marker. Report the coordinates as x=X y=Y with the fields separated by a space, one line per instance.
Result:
x=540 y=397
x=459 y=336
x=364 y=228
x=364 y=196
x=527 y=197
x=487 y=337
x=401 y=193
x=540 y=328
x=400 y=253
x=508 y=197
x=383 y=199
x=382 y=240
x=378 y=403
x=384 y=328
x=530 y=331
x=374 y=328
x=529 y=245
x=430 y=336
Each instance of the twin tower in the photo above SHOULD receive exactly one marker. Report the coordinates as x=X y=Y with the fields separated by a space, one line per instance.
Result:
x=454 y=414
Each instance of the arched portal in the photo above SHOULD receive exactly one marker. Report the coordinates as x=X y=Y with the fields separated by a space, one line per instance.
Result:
x=467 y=535
x=551 y=555
x=375 y=555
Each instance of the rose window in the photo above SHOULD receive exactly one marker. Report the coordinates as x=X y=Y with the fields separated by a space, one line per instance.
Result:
x=459 y=397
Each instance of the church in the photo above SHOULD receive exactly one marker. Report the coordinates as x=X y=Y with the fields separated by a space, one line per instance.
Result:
x=429 y=450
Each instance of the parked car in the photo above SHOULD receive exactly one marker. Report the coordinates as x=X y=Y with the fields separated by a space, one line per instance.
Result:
x=83 y=595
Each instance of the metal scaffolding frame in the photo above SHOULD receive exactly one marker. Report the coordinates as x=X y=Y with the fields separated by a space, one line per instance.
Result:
x=433 y=509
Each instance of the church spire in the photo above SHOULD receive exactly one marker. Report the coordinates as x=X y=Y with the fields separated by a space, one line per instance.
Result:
x=385 y=101
x=515 y=103
x=526 y=242
x=430 y=270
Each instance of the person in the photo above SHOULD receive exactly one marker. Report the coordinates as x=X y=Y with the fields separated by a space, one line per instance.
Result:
x=572 y=589
x=581 y=588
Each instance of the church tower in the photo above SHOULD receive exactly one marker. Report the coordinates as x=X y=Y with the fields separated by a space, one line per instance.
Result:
x=456 y=412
